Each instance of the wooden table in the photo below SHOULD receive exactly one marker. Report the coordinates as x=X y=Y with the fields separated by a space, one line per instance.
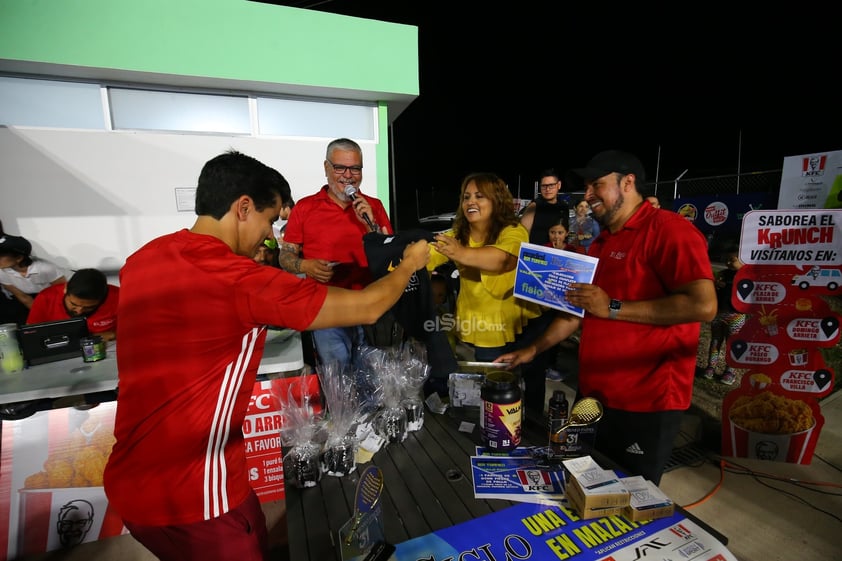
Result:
x=427 y=487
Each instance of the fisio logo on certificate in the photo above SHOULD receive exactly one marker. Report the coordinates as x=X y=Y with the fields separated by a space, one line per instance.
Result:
x=544 y=273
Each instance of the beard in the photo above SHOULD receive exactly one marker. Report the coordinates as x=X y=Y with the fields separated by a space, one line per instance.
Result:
x=609 y=212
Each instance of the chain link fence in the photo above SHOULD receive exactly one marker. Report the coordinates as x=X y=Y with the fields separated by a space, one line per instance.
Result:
x=753 y=182
x=435 y=201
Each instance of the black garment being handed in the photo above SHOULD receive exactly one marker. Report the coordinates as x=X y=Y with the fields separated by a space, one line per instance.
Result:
x=415 y=311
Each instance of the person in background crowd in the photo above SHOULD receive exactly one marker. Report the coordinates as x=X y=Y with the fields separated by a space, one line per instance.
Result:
x=87 y=294
x=640 y=333
x=280 y=226
x=585 y=228
x=727 y=321
x=190 y=345
x=22 y=277
x=653 y=200
x=484 y=244
x=546 y=209
x=267 y=252
x=324 y=241
x=559 y=235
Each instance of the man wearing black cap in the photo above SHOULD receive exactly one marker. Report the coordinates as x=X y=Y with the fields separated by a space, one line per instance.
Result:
x=640 y=333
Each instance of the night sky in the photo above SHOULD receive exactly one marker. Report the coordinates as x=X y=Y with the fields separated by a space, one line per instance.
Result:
x=517 y=89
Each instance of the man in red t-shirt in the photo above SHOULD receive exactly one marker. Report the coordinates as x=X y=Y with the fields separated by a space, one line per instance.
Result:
x=640 y=334
x=323 y=240
x=88 y=294
x=194 y=307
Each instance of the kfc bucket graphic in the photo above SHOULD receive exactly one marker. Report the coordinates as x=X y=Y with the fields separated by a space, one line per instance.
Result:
x=774 y=447
x=768 y=426
x=55 y=518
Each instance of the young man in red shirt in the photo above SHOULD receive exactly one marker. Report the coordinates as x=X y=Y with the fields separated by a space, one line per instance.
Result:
x=194 y=308
x=652 y=289
x=88 y=294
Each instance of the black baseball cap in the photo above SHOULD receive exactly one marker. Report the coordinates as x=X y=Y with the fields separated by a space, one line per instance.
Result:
x=611 y=161
x=15 y=244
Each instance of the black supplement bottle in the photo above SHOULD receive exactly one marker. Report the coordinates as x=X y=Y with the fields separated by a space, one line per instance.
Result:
x=557 y=411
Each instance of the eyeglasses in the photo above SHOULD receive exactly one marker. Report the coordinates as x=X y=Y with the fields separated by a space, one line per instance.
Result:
x=549 y=185
x=340 y=170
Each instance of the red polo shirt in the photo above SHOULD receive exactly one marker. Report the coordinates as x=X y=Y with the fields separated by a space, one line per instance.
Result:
x=636 y=366
x=49 y=306
x=324 y=230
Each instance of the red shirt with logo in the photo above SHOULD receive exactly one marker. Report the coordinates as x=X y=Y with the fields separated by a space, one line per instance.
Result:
x=49 y=306
x=635 y=366
x=324 y=230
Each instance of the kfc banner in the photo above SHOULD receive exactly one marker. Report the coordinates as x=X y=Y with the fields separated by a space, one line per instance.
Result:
x=793 y=260
x=812 y=181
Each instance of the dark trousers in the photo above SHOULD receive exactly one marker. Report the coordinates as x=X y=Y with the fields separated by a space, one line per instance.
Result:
x=640 y=443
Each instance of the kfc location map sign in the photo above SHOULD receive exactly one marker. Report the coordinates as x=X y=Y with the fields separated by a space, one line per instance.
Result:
x=793 y=265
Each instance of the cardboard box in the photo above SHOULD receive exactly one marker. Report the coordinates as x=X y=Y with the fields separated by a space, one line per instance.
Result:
x=577 y=502
x=646 y=501
x=594 y=491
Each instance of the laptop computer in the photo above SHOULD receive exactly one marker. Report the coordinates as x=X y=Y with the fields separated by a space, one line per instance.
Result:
x=52 y=340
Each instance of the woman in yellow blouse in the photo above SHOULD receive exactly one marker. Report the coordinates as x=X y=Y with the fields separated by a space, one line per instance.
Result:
x=484 y=244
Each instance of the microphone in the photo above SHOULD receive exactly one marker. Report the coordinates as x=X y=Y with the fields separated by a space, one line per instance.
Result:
x=351 y=193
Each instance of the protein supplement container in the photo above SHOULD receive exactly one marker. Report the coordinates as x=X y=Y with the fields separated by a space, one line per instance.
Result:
x=500 y=417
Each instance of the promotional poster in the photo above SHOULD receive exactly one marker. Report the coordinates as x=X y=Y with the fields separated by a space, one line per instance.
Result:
x=51 y=466
x=529 y=531
x=793 y=263
x=812 y=181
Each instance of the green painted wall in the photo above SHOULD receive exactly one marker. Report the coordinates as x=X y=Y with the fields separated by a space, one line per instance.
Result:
x=232 y=39
x=221 y=39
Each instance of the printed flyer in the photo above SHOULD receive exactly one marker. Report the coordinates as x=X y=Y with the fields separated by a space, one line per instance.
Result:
x=537 y=531
x=517 y=477
x=545 y=273
x=793 y=262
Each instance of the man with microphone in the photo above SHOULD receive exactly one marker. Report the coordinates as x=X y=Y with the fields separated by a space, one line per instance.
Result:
x=324 y=240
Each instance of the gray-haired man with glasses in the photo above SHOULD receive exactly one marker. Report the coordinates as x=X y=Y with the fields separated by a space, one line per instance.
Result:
x=323 y=239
